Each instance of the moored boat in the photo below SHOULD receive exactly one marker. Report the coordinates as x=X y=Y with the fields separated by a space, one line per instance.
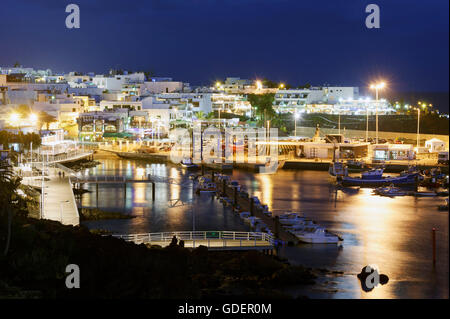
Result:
x=316 y=235
x=390 y=191
x=187 y=163
x=375 y=179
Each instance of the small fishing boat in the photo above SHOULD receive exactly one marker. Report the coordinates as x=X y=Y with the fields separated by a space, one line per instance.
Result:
x=316 y=235
x=390 y=191
x=375 y=173
x=291 y=218
x=187 y=163
x=301 y=226
x=375 y=179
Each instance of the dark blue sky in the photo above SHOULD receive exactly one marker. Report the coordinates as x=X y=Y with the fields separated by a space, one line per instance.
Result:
x=320 y=42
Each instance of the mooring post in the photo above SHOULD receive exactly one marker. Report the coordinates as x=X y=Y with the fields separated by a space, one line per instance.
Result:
x=153 y=191
x=277 y=227
x=433 y=236
x=224 y=188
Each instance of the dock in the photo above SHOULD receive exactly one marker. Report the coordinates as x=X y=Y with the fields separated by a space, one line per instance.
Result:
x=213 y=240
x=59 y=201
x=247 y=204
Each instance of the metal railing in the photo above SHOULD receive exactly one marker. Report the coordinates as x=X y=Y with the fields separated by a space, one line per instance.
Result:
x=217 y=238
x=96 y=179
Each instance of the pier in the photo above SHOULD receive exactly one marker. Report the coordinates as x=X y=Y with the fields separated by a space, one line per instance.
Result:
x=214 y=240
x=58 y=202
x=247 y=204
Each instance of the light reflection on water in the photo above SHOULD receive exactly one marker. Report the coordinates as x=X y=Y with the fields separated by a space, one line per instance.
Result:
x=393 y=233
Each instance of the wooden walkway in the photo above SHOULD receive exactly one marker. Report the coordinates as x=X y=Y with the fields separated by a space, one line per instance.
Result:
x=214 y=240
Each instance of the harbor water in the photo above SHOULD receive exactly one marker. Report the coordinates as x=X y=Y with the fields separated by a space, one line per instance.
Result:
x=394 y=234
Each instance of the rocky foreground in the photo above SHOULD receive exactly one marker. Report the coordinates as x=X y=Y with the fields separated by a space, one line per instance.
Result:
x=111 y=268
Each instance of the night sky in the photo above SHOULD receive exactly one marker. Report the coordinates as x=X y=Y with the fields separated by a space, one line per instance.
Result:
x=199 y=41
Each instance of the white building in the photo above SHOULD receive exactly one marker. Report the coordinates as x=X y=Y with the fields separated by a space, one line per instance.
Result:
x=435 y=145
x=331 y=100
x=230 y=103
x=115 y=83
x=113 y=105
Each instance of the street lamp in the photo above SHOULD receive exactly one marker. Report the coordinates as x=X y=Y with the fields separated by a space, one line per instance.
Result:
x=295 y=122
x=14 y=119
x=418 y=126
x=376 y=87
x=259 y=85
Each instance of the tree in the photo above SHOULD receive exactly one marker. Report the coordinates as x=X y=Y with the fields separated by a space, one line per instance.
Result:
x=45 y=118
x=9 y=183
x=200 y=115
x=263 y=103
x=270 y=84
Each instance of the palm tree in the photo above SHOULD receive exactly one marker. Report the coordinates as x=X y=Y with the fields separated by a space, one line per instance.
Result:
x=200 y=115
x=9 y=183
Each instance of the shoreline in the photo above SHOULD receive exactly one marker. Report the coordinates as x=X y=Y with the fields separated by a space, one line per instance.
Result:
x=195 y=274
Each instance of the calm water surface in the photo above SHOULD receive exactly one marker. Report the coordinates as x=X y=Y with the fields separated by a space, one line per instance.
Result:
x=392 y=233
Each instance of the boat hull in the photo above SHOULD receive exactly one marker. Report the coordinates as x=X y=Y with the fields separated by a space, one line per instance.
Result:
x=318 y=240
x=365 y=182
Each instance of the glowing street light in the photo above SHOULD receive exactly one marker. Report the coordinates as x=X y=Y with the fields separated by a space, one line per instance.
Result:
x=14 y=119
x=418 y=126
x=33 y=118
x=376 y=87
x=281 y=85
x=295 y=122
x=259 y=85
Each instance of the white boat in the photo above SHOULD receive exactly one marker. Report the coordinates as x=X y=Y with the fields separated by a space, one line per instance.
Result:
x=317 y=235
x=390 y=191
x=291 y=219
x=188 y=164
x=300 y=226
